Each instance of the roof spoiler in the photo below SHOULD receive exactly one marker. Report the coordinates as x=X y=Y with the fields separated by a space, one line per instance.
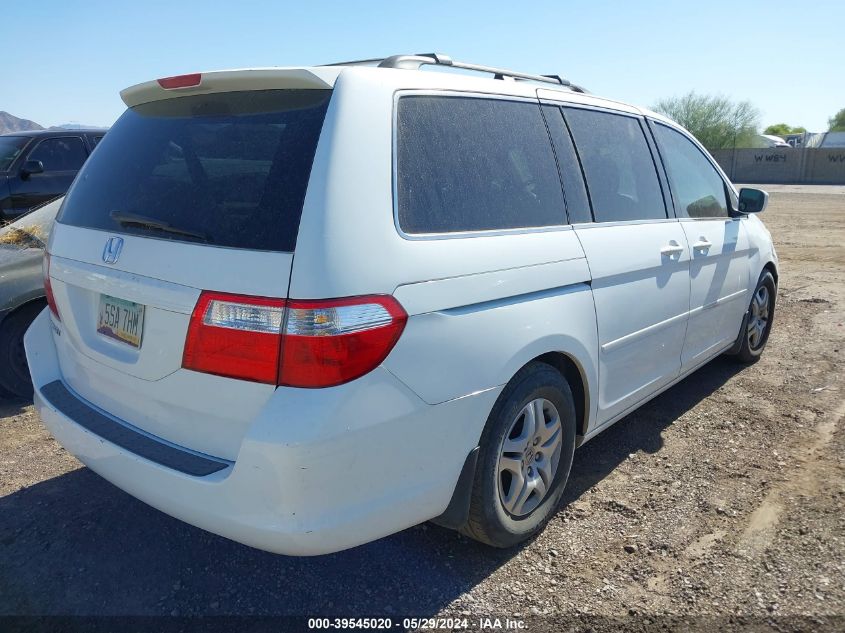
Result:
x=230 y=81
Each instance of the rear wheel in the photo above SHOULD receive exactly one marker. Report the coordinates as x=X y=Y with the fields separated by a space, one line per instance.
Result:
x=14 y=371
x=526 y=453
x=761 y=314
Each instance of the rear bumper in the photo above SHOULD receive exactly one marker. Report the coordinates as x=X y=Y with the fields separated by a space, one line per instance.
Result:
x=318 y=471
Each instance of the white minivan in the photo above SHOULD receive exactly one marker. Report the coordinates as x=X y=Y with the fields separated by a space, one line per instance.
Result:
x=305 y=308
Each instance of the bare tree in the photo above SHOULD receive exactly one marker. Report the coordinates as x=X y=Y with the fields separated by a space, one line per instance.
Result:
x=716 y=121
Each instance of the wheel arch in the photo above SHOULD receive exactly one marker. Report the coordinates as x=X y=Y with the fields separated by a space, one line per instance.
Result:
x=573 y=372
x=772 y=268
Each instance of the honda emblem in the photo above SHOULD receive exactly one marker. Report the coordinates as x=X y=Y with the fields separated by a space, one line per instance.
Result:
x=112 y=249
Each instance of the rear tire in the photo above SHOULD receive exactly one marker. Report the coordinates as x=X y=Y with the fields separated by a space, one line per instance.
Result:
x=526 y=453
x=761 y=316
x=14 y=371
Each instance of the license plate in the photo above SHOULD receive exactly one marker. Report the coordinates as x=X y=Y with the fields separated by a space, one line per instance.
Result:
x=121 y=320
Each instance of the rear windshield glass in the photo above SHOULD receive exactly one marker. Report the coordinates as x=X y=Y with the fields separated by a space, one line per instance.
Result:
x=10 y=147
x=226 y=169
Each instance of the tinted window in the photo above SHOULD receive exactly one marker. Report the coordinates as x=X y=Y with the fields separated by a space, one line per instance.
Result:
x=698 y=188
x=10 y=148
x=577 y=203
x=230 y=169
x=467 y=164
x=60 y=154
x=618 y=165
x=95 y=140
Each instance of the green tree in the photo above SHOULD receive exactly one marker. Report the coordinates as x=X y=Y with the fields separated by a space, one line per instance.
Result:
x=782 y=129
x=716 y=121
x=837 y=121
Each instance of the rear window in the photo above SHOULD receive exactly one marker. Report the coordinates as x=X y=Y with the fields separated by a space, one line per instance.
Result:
x=474 y=164
x=226 y=169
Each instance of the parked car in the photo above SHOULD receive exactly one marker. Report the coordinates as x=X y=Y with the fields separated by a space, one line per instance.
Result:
x=316 y=306
x=22 y=246
x=38 y=166
x=772 y=141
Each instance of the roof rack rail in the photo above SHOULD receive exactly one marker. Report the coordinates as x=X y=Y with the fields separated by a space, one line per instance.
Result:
x=413 y=62
x=357 y=62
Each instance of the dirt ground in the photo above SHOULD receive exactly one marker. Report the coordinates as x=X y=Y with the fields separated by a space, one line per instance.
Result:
x=720 y=502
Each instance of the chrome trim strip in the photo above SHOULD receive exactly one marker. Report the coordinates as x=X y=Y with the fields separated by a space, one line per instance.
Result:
x=600 y=225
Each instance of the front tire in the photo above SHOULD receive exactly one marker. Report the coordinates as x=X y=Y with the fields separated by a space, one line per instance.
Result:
x=526 y=454
x=14 y=371
x=761 y=316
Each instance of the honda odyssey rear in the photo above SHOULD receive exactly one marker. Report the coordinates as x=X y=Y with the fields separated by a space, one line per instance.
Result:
x=307 y=308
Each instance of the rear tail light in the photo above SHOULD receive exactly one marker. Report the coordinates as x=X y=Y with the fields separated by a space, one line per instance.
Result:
x=48 y=288
x=295 y=343
x=235 y=336
x=332 y=342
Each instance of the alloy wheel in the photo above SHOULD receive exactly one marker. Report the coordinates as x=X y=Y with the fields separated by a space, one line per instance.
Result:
x=529 y=457
x=759 y=318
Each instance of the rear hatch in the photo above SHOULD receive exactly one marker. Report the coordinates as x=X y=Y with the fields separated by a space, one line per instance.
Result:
x=185 y=194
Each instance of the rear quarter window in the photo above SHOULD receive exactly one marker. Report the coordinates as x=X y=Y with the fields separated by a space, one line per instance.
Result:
x=228 y=169
x=474 y=164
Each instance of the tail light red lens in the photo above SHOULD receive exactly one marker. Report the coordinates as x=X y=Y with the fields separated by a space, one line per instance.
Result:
x=235 y=336
x=294 y=343
x=48 y=288
x=331 y=342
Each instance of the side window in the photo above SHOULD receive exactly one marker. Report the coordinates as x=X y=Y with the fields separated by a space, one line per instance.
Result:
x=10 y=149
x=577 y=203
x=618 y=165
x=95 y=140
x=474 y=164
x=60 y=154
x=698 y=188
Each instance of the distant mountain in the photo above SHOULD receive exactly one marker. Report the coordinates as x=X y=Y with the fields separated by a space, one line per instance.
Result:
x=77 y=126
x=11 y=123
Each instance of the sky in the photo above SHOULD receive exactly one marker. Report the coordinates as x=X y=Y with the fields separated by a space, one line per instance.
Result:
x=65 y=61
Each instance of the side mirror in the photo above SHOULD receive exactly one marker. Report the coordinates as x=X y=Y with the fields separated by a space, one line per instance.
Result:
x=752 y=200
x=32 y=167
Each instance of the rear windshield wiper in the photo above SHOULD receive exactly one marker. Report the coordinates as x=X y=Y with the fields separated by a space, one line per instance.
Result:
x=134 y=219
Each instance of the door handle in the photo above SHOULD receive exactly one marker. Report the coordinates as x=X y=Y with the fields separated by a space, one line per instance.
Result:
x=702 y=244
x=671 y=249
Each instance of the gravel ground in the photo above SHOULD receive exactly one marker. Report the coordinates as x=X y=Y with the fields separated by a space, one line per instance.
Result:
x=718 y=504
